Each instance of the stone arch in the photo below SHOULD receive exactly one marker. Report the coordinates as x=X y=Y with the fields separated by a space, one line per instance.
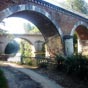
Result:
x=76 y=25
x=17 y=8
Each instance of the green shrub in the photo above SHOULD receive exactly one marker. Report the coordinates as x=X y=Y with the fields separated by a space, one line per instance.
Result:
x=76 y=65
x=31 y=62
x=71 y=64
x=3 y=81
x=42 y=65
x=60 y=61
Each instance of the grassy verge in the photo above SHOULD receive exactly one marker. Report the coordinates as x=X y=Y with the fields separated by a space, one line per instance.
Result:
x=3 y=81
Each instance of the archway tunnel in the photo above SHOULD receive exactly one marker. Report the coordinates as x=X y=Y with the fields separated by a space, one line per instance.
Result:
x=18 y=49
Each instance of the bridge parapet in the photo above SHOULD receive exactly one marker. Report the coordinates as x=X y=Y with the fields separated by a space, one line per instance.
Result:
x=60 y=9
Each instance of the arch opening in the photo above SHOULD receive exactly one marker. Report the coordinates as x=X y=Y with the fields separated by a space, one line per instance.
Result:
x=25 y=51
x=43 y=20
x=81 y=40
x=46 y=27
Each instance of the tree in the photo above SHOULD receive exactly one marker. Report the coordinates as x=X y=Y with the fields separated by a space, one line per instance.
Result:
x=30 y=28
x=25 y=49
x=2 y=31
x=78 y=5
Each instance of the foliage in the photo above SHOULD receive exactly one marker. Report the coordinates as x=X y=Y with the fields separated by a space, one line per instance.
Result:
x=60 y=61
x=42 y=65
x=3 y=81
x=25 y=49
x=76 y=65
x=2 y=31
x=78 y=5
x=31 y=28
x=30 y=61
x=12 y=47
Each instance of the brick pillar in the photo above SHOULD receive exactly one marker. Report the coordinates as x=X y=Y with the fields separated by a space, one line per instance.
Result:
x=68 y=45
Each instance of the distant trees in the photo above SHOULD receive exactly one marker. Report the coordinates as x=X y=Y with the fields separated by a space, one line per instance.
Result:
x=2 y=31
x=78 y=5
x=30 y=28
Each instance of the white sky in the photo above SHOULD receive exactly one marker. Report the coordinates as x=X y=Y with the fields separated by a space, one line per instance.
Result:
x=14 y=25
x=56 y=2
x=86 y=1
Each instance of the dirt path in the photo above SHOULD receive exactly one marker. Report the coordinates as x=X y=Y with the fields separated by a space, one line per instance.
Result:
x=40 y=81
x=17 y=79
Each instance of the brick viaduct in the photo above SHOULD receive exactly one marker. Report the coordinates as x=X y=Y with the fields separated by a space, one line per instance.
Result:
x=56 y=24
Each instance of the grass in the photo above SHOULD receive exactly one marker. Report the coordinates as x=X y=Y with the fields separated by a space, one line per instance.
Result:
x=3 y=81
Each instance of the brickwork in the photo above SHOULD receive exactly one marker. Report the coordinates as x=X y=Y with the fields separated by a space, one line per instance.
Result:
x=65 y=19
x=51 y=20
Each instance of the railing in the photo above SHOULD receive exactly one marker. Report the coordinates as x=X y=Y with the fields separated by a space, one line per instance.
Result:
x=41 y=61
x=47 y=63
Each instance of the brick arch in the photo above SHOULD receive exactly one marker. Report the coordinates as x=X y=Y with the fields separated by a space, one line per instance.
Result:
x=17 y=8
x=80 y=23
x=81 y=28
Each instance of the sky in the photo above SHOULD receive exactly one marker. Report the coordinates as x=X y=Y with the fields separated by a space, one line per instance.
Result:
x=86 y=1
x=14 y=25
x=58 y=1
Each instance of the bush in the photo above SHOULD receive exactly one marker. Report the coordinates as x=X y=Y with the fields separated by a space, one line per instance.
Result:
x=76 y=65
x=3 y=81
x=31 y=62
x=42 y=65
x=60 y=61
